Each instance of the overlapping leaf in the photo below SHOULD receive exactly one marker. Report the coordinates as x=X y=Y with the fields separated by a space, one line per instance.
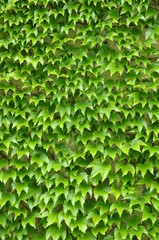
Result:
x=79 y=115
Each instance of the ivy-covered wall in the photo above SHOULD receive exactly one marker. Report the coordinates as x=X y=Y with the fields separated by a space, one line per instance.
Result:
x=79 y=119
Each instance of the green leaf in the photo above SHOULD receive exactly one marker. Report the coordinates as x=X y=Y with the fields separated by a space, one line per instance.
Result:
x=3 y=220
x=53 y=232
x=87 y=236
x=143 y=168
x=99 y=168
x=94 y=148
x=52 y=218
x=125 y=149
x=101 y=190
x=39 y=158
x=125 y=168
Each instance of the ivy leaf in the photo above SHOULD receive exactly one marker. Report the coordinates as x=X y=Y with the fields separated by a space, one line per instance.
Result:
x=52 y=218
x=125 y=168
x=147 y=214
x=125 y=149
x=39 y=158
x=87 y=236
x=3 y=220
x=29 y=220
x=99 y=168
x=94 y=148
x=53 y=231
x=143 y=168
x=101 y=190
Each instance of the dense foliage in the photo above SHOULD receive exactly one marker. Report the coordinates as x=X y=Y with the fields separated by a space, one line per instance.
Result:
x=79 y=119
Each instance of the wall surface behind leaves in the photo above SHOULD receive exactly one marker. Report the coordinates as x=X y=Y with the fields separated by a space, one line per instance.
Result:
x=79 y=119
